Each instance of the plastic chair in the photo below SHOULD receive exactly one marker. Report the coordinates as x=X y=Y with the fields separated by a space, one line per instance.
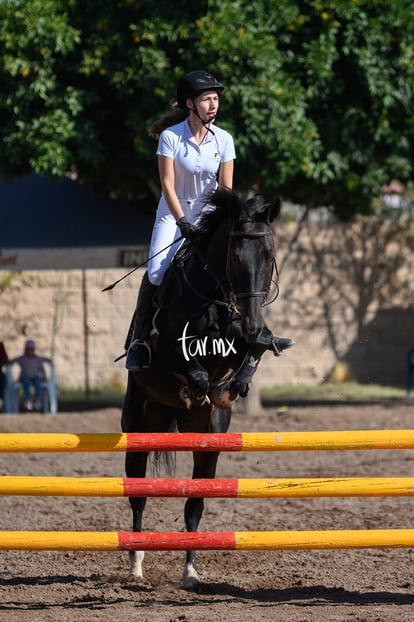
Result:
x=12 y=397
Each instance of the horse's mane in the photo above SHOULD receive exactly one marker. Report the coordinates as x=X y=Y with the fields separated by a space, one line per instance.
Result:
x=231 y=208
x=229 y=204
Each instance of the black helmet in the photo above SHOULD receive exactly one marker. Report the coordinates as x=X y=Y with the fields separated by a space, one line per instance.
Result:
x=194 y=83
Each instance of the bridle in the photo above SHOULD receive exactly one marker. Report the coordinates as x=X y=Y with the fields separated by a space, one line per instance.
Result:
x=252 y=294
x=231 y=297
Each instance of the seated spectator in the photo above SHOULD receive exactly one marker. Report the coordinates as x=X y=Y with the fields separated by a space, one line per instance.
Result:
x=32 y=374
x=3 y=360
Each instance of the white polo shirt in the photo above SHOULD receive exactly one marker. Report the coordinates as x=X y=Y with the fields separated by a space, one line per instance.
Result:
x=195 y=166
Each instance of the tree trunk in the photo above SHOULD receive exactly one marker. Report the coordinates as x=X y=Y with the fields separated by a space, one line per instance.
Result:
x=250 y=405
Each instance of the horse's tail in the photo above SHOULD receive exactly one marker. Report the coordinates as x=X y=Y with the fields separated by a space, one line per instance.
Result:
x=163 y=461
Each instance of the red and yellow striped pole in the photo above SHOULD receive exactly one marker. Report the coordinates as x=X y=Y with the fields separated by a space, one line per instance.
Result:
x=244 y=441
x=205 y=541
x=224 y=488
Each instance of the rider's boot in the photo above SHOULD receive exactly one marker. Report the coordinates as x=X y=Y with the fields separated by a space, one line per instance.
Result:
x=275 y=344
x=279 y=344
x=139 y=352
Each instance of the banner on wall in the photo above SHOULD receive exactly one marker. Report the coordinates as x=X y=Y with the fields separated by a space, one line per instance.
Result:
x=72 y=258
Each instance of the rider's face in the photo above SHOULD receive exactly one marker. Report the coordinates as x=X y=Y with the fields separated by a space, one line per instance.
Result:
x=207 y=104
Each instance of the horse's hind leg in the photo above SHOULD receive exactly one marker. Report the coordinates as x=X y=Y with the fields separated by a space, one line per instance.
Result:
x=205 y=464
x=135 y=466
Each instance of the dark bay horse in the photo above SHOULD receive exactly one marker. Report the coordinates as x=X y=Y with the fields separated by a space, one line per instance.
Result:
x=211 y=336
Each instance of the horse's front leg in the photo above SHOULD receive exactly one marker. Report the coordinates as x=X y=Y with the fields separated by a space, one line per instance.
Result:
x=185 y=364
x=135 y=466
x=198 y=378
x=241 y=381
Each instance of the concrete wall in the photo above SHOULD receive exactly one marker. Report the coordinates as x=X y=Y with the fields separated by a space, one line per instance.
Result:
x=346 y=293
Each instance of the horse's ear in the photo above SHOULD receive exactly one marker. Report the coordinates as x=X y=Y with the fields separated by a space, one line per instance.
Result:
x=269 y=211
x=274 y=210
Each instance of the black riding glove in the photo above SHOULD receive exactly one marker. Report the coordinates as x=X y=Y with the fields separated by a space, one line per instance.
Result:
x=188 y=230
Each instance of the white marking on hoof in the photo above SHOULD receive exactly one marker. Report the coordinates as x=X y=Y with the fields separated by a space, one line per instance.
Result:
x=190 y=576
x=136 y=558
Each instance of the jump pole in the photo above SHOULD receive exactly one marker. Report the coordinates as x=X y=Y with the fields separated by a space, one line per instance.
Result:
x=232 y=442
x=243 y=541
x=218 y=488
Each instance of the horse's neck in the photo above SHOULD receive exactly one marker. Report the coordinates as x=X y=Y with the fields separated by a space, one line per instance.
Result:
x=216 y=249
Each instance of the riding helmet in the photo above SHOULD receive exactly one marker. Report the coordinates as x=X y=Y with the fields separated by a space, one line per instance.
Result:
x=194 y=83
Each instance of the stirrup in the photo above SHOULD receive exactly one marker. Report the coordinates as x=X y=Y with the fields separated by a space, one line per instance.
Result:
x=138 y=356
x=279 y=344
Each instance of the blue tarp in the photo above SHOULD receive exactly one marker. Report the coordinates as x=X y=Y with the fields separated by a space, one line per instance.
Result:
x=36 y=212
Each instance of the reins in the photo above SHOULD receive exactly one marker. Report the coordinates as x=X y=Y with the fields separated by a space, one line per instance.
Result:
x=231 y=295
x=230 y=304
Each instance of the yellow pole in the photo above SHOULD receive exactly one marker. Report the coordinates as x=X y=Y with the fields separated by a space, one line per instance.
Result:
x=58 y=541
x=332 y=487
x=304 y=540
x=49 y=442
x=62 y=486
x=328 y=440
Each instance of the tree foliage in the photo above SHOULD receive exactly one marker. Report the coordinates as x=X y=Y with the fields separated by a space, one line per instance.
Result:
x=318 y=94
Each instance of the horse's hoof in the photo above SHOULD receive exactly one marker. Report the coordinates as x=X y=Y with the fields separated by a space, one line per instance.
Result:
x=190 y=578
x=193 y=401
x=200 y=400
x=185 y=396
x=199 y=382
x=239 y=388
x=191 y=584
x=222 y=397
x=135 y=559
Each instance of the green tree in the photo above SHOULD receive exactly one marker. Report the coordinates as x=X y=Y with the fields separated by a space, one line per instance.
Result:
x=324 y=113
x=318 y=94
x=80 y=82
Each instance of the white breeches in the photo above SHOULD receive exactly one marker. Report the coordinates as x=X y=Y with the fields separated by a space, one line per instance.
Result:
x=164 y=233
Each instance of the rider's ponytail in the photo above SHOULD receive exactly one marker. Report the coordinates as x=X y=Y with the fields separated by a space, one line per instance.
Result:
x=171 y=117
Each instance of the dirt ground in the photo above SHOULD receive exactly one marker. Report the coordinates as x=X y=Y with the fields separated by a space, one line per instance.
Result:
x=366 y=585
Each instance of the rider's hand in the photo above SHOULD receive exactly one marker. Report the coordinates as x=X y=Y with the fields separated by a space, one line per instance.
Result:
x=188 y=230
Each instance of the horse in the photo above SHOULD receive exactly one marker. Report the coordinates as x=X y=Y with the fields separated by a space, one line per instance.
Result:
x=210 y=338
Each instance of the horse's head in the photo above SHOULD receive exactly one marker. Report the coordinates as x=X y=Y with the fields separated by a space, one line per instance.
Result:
x=250 y=262
x=238 y=247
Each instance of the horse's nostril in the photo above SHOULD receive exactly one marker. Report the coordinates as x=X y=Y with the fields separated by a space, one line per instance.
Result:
x=251 y=334
x=252 y=325
x=250 y=338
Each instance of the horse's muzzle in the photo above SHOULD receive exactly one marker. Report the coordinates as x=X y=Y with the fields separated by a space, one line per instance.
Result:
x=251 y=329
